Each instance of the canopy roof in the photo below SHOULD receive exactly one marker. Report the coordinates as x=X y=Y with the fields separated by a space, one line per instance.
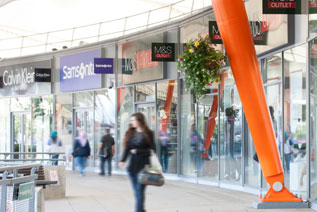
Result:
x=42 y=25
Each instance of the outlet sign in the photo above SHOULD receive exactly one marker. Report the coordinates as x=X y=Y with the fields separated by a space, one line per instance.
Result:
x=259 y=32
x=281 y=6
x=163 y=52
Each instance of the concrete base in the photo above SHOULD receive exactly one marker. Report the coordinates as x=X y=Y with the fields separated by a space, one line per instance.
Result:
x=59 y=190
x=39 y=199
x=279 y=205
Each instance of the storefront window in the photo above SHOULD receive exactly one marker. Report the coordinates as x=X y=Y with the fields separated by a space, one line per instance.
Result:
x=272 y=79
x=145 y=93
x=208 y=126
x=64 y=124
x=125 y=110
x=84 y=99
x=104 y=114
x=190 y=157
x=313 y=117
x=167 y=125
x=231 y=130
x=42 y=112
x=295 y=120
x=20 y=103
x=5 y=125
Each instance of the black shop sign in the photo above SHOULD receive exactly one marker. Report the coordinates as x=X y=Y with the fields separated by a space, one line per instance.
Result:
x=281 y=6
x=259 y=32
x=163 y=51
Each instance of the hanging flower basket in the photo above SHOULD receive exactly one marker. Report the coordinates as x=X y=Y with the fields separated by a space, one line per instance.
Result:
x=200 y=64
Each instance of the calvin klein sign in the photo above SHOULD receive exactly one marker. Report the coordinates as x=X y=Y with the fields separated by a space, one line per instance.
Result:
x=21 y=79
x=42 y=75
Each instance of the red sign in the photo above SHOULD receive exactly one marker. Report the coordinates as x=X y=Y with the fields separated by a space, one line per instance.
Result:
x=163 y=55
x=144 y=59
x=284 y=5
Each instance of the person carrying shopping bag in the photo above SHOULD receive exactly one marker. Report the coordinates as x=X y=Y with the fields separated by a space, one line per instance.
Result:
x=138 y=142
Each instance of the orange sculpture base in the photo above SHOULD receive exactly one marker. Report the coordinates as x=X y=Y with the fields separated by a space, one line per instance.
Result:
x=282 y=196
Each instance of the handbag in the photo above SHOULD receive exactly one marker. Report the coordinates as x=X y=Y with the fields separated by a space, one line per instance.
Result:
x=152 y=174
x=74 y=154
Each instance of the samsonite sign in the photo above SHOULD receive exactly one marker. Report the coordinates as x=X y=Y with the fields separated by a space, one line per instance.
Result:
x=163 y=51
x=77 y=71
x=281 y=6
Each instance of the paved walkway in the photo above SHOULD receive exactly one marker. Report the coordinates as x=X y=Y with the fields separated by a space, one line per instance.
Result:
x=94 y=193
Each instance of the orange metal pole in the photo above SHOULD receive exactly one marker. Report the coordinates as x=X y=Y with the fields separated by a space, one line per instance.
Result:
x=168 y=104
x=234 y=28
x=211 y=120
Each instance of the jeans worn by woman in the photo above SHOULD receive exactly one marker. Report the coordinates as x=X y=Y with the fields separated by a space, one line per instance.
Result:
x=139 y=190
x=81 y=162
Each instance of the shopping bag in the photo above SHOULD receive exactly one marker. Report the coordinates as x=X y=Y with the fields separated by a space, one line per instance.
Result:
x=152 y=174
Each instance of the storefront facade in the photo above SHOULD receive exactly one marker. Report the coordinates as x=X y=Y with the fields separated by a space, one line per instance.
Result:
x=86 y=101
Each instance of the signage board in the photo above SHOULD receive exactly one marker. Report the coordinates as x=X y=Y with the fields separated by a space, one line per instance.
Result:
x=54 y=176
x=20 y=79
x=258 y=29
x=42 y=75
x=163 y=52
x=137 y=64
x=26 y=191
x=103 y=65
x=127 y=66
x=77 y=71
x=281 y=6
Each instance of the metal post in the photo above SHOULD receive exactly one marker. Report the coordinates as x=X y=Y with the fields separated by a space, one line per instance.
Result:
x=4 y=193
x=99 y=31
x=22 y=45
x=46 y=41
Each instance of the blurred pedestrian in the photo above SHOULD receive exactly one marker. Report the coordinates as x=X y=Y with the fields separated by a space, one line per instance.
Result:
x=106 y=150
x=54 y=146
x=81 y=151
x=138 y=142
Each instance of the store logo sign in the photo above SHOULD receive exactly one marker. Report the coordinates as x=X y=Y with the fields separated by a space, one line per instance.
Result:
x=103 y=65
x=259 y=30
x=42 y=75
x=127 y=66
x=163 y=51
x=144 y=59
x=77 y=71
x=281 y=6
x=18 y=77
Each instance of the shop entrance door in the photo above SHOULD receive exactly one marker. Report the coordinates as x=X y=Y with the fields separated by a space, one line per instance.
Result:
x=21 y=134
x=84 y=121
x=149 y=112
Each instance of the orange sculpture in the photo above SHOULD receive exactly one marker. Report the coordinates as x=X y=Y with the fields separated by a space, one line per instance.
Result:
x=236 y=35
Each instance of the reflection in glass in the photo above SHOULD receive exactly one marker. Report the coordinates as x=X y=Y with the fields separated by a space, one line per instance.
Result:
x=20 y=103
x=295 y=120
x=313 y=117
x=167 y=125
x=104 y=114
x=125 y=110
x=207 y=115
x=5 y=125
x=145 y=93
x=188 y=130
x=42 y=111
x=231 y=130
x=84 y=99
x=273 y=89
x=64 y=124
x=22 y=134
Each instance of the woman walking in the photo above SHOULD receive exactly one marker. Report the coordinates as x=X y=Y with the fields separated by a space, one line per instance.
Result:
x=82 y=151
x=138 y=142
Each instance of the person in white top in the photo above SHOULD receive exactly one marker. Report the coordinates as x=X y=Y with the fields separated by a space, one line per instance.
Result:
x=54 y=143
